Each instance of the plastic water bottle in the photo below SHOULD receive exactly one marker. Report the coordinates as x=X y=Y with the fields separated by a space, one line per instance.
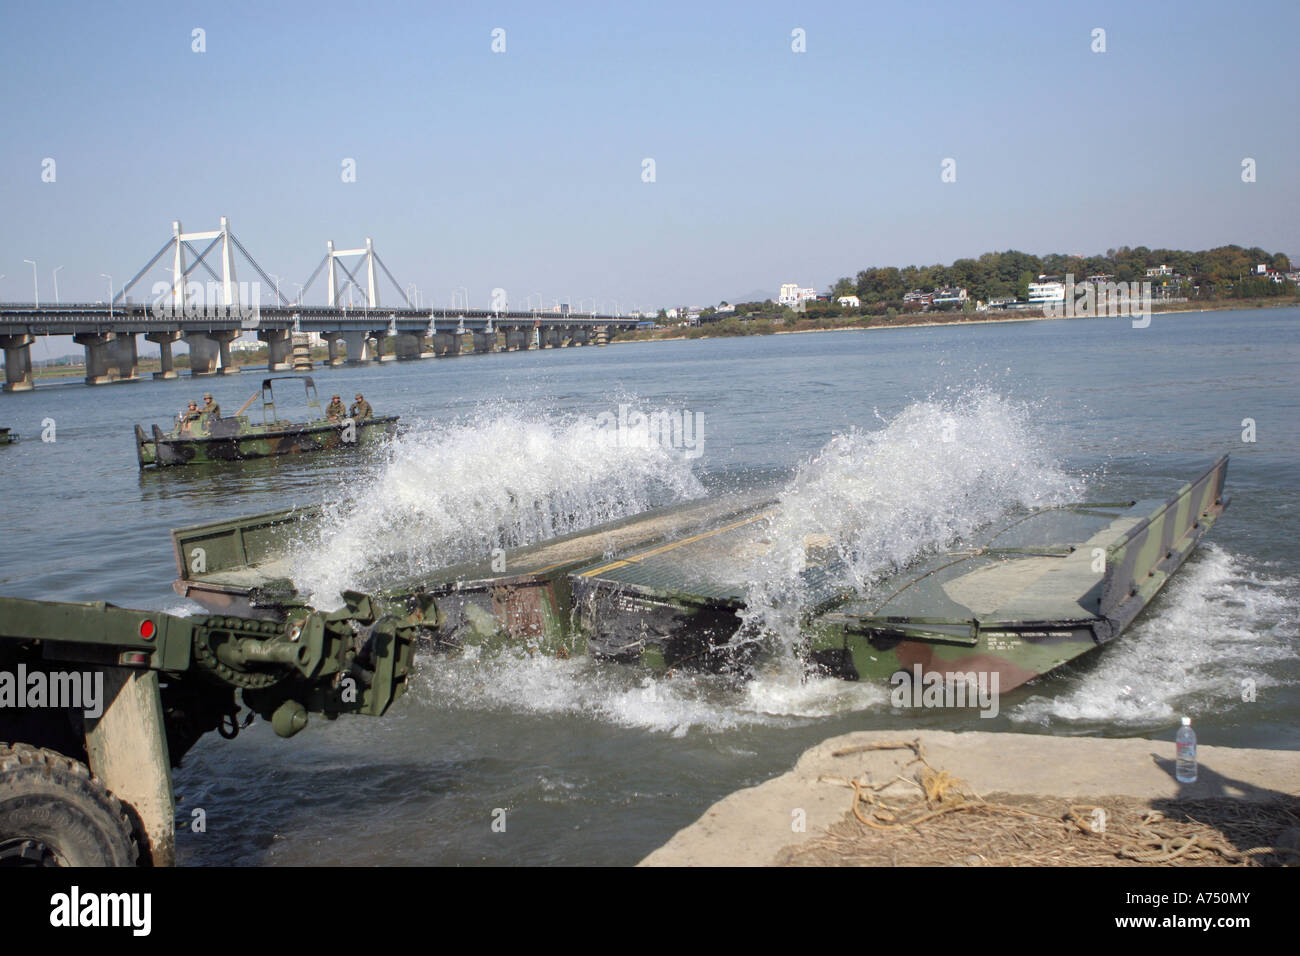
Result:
x=1185 y=765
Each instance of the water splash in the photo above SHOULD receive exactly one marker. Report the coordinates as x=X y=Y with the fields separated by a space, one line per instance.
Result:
x=501 y=479
x=936 y=473
x=878 y=500
x=1218 y=625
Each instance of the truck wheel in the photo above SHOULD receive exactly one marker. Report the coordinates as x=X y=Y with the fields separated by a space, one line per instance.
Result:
x=54 y=813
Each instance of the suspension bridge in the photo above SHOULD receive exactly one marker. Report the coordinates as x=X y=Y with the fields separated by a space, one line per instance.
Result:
x=212 y=308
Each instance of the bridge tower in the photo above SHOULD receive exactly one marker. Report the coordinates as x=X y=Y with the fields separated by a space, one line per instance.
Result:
x=229 y=285
x=372 y=286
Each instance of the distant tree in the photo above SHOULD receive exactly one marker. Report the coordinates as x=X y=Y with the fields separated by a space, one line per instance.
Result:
x=1022 y=286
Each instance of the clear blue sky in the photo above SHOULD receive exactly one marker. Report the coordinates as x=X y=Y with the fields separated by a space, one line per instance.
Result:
x=523 y=169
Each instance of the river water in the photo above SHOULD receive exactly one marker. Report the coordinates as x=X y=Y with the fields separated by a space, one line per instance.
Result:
x=588 y=763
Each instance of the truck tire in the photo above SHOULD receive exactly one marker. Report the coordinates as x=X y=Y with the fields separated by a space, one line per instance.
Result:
x=54 y=813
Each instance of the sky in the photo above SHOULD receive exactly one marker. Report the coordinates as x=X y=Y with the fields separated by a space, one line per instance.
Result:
x=526 y=169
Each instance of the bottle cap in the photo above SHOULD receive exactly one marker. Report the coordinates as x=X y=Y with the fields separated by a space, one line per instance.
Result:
x=1187 y=721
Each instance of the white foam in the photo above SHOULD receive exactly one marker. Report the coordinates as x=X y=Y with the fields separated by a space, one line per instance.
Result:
x=504 y=478
x=582 y=687
x=929 y=478
x=937 y=472
x=1216 y=626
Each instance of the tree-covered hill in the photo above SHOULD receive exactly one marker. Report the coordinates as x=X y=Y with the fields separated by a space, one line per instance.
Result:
x=1222 y=271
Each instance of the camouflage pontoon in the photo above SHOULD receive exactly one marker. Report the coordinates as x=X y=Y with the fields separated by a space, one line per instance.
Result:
x=659 y=588
x=235 y=438
x=7 y=437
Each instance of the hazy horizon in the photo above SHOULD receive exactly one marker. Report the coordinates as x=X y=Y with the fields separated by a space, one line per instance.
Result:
x=524 y=169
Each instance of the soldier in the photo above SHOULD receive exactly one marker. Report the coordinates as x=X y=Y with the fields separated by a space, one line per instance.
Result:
x=361 y=409
x=210 y=407
x=190 y=416
x=335 y=410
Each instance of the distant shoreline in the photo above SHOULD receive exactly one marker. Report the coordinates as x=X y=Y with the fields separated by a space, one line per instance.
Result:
x=151 y=364
x=1250 y=304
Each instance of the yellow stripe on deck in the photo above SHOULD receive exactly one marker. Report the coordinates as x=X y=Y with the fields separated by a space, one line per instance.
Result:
x=624 y=562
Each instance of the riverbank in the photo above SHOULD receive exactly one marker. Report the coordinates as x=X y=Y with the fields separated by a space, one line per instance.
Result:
x=880 y=322
x=1001 y=799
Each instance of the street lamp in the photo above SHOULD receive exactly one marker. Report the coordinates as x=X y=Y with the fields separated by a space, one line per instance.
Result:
x=300 y=288
x=105 y=275
x=56 y=285
x=277 y=286
x=35 y=285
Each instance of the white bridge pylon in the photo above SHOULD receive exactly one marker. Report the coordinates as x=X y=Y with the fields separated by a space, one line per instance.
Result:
x=182 y=269
x=372 y=287
x=229 y=287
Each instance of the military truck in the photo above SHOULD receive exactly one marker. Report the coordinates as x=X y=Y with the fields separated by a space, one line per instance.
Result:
x=208 y=438
x=98 y=703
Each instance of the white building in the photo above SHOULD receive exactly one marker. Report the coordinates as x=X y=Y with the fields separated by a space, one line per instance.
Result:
x=795 y=296
x=849 y=302
x=725 y=309
x=1046 y=289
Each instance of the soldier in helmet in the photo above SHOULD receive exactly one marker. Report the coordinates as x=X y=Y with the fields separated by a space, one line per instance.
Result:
x=335 y=410
x=210 y=408
x=361 y=409
x=190 y=415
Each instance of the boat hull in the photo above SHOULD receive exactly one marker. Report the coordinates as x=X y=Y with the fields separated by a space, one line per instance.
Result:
x=237 y=444
x=652 y=590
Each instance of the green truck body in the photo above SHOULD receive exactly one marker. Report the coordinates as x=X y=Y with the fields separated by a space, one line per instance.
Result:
x=98 y=703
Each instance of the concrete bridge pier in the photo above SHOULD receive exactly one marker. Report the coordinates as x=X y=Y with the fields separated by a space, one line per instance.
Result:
x=377 y=340
x=106 y=352
x=446 y=344
x=279 y=349
x=409 y=346
x=18 y=362
x=358 y=346
x=554 y=337
x=581 y=335
x=485 y=342
x=204 y=353
x=166 y=361
x=518 y=340
x=332 y=340
x=602 y=336
x=210 y=352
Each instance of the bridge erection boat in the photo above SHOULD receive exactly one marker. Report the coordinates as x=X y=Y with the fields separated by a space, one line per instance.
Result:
x=205 y=437
x=667 y=588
